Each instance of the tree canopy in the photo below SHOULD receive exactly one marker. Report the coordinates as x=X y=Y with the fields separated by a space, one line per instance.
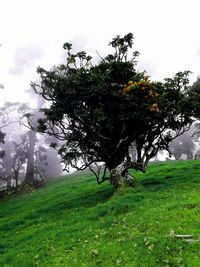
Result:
x=98 y=110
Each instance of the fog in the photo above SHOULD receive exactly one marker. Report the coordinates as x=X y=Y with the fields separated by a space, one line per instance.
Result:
x=25 y=155
x=26 y=58
x=33 y=32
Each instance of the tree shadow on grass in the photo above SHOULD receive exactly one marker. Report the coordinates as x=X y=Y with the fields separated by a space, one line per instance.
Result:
x=154 y=184
x=85 y=200
x=90 y=199
x=169 y=181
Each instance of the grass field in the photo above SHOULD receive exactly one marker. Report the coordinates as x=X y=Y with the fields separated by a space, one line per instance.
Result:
x=73 y=222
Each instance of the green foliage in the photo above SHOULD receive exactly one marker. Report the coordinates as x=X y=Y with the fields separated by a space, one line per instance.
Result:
x=195 y=98
x=98 y=111
x=72 y=222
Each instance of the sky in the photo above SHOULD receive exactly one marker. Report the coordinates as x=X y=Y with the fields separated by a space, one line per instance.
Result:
x=32 y=33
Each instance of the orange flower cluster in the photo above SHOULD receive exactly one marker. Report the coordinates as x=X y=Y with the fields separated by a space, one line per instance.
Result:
x=154 y=108
x=144 y=85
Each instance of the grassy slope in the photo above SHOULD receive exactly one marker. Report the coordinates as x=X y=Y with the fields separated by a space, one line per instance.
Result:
x=75 y=222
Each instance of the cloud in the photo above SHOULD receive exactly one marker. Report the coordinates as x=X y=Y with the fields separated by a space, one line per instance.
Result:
x=198 y=51
x=26 y=57
x=148 y=67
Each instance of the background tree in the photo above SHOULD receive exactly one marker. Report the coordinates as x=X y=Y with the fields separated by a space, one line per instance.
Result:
x=31 y=170
x=18 y=149
x=7 y=118
x=183 y=144
x=194 y=95
x=47 y=163
x=19 y=157
x=98 y=111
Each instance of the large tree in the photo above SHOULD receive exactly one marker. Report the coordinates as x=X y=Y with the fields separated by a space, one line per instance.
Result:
x=98 y=110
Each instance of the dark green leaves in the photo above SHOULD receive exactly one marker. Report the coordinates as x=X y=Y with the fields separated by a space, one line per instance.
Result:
x=97 y=116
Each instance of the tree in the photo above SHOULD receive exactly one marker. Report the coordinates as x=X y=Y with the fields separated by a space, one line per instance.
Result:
x=17 y=148
x=19 y=157
x=183 y=144
x=14 y=161
x=7 y=118
x=30 y=170
x=195 y=102
x=30 y=177
x=47 y=163
x=195 y=97
x=98 y=111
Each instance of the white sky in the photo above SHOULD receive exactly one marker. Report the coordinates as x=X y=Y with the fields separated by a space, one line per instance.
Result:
x=32 y=33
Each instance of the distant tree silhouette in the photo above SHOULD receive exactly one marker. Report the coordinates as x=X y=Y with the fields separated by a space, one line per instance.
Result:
x=183 y=144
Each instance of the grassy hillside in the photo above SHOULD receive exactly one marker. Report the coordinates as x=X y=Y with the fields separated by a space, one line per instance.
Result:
x=74 y=222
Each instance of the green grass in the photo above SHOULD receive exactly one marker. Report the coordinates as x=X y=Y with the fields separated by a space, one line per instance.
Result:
x=74 y=222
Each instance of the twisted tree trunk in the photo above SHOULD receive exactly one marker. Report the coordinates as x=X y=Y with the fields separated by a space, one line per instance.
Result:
x=120 y=176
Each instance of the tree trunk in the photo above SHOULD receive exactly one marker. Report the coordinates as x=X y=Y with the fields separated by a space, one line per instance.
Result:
x=30 y=169
x=120 y=176
x=16 y=177
x=9 y=183
x=29 y=177
x=16 y=168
